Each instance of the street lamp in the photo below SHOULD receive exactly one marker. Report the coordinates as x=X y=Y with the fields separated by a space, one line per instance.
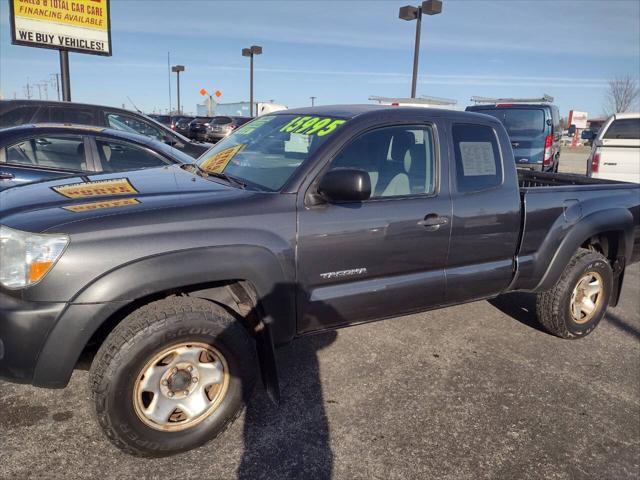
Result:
x=428 y=7
x=177 y=69
x=250 y=52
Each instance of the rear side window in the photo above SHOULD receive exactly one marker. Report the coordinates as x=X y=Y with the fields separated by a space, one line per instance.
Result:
x=67 y=115
x=132 y=124
x=220 y=120
x=120 y=157
x=53 y=152
x=478 y=162
x=625 y=128
x=17 y=116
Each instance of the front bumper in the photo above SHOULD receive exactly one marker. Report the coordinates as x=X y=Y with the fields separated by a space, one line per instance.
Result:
x=24 y=327
x=42 y=341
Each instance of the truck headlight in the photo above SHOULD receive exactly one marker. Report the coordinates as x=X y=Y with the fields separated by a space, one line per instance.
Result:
x=25 y=258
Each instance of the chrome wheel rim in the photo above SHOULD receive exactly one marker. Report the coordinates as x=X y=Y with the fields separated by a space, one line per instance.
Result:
x=586 y=297
x=181 y=386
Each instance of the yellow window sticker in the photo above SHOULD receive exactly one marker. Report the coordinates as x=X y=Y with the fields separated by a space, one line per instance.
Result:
x=87 y=207
x=253 y=125
x=116 y=186
x=220 y=160
x=312 y=125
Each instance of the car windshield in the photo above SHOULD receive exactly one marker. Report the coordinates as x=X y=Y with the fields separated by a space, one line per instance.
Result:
x=519 y=121
x=264 y=153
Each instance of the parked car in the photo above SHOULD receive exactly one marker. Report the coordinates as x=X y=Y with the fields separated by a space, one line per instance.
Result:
x=221 y=126
x=20 y=112
x=301 y=221
x=165 y=120
x=181 y=125
x=615 y=154
x=198 y=128
x=39 y=152
x=534 y=130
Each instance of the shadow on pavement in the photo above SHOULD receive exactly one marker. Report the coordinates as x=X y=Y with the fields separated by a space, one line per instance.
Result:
x=290 y=440
x=622 y=325
x=521 y=307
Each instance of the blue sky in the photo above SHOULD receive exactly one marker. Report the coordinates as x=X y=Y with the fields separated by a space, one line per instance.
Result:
x=344 y=52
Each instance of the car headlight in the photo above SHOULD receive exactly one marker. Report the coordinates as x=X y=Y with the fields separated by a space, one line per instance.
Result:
x=25 y=258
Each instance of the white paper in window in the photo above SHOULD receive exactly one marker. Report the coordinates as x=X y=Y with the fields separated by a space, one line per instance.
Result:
x=477 y=158
x=297 y=143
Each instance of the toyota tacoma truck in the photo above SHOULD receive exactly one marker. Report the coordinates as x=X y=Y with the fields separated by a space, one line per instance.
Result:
x=185 y=279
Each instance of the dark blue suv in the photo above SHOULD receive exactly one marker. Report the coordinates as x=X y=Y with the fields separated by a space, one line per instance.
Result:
x=534 y=131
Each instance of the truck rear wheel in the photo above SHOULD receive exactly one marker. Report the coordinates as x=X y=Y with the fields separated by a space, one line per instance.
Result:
x=578 y=301
x=171 y=376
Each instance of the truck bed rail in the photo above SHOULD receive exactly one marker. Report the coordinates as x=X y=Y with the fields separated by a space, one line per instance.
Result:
x=529 y=179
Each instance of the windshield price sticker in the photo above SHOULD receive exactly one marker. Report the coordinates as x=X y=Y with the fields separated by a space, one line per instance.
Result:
x=312 y=126
x=117 y=186
x=253 y=125
x=87 y=207
x=220 y=160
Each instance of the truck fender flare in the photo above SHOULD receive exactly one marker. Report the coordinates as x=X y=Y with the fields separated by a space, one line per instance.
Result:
x=118 y=288
x=617 y=219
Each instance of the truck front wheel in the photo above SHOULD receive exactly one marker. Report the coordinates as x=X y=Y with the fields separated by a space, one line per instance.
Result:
x=578 y=301
x=171 y=376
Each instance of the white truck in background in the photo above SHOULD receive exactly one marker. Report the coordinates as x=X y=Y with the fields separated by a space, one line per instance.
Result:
x=615 y=154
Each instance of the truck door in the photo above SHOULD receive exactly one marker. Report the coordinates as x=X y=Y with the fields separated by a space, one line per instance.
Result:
x=384 y=256
x=486 y=214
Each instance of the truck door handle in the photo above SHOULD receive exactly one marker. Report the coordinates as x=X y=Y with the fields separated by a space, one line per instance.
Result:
x=6 y=176
x=433 y=221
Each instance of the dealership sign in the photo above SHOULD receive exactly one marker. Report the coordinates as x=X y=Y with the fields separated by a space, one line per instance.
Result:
x=579 y=119
x=75 y=25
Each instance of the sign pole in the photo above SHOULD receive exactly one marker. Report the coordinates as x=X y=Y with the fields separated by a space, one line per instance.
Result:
x=64 y=75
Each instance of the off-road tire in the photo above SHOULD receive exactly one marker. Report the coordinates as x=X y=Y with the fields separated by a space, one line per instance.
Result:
x=553 y=306
x=137 y=338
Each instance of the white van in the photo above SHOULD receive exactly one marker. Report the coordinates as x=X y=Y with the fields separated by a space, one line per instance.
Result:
x=615 y=154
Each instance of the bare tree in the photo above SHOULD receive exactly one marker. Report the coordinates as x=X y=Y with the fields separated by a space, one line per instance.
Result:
x=621 y=95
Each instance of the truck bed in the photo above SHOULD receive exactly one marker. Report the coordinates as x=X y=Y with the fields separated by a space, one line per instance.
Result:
x=529 y=179
x=552 y=203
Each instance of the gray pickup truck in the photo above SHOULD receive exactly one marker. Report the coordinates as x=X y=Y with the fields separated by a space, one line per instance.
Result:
x=186 y=278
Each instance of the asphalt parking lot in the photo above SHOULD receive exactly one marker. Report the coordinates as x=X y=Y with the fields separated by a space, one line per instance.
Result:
x=473 y=391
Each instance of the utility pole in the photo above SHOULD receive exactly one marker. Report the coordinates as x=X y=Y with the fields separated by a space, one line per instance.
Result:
x=251 y=52
x=428 y=7
x=55 y=82
x=65 y=75
x=28 y=90
x=177 y=69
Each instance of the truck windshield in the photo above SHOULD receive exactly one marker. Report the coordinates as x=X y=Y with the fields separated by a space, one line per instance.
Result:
x=264 y=153
x=519 y=121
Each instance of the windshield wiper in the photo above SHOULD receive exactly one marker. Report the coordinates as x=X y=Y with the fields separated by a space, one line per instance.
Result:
x=228 y=178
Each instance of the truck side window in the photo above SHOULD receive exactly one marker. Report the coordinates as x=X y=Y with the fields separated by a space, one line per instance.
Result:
x=399 y=160
x=478 y=162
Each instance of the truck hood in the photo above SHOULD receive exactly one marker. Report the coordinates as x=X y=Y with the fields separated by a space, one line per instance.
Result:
x=44 y=206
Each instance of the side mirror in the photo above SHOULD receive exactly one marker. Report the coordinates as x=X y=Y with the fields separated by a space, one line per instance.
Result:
x=345 y=185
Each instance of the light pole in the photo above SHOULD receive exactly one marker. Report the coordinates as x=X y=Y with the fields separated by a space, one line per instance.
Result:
x=428 y=7
x=178 y=69
x=250 y=52
x=313 y=101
